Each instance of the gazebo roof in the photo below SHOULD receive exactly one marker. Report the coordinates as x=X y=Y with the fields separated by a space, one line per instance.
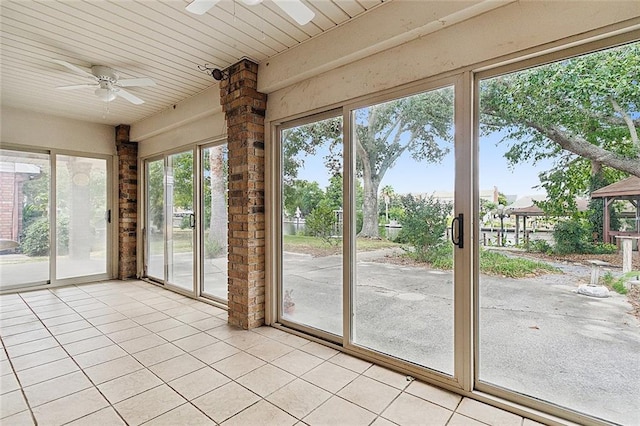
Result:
x=629 y=187
x=527 y=207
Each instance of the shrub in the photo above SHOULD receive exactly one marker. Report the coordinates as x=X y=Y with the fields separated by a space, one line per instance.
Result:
x=574 y=236
x=424 y=226
x=539 y=246
x=603 y=248
x=35 y=239
x=571 y=236
x=320 y=222
x=513 y=267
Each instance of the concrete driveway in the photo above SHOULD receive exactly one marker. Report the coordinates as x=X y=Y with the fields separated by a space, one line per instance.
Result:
x=537 y=336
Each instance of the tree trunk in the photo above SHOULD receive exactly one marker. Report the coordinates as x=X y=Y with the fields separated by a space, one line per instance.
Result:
x=370 y=207
x=217 y=238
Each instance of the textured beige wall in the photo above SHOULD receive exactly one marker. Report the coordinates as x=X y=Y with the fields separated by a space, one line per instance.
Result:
x=39 y=130
x=507 y=30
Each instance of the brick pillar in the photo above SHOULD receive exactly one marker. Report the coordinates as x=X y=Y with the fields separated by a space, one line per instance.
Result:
x=127 y=202
x=245 y=108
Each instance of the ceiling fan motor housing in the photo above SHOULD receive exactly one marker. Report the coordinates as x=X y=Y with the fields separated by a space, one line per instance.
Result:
x=103 y=73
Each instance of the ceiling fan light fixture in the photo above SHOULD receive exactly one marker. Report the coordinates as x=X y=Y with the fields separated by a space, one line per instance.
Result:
x=297 y=10
x=200 y=7
x=105 y=95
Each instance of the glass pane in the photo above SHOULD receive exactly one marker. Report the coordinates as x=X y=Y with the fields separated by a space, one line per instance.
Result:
x=215 y=223
x=155 y=220
x=312 y=225
x=180 y=231
x=81 y=206
x=24 y=218
x=403 y=295
x=542 y=331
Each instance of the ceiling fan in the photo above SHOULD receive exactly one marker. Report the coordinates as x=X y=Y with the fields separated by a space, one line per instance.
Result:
x=294 y=8
x=107 y=82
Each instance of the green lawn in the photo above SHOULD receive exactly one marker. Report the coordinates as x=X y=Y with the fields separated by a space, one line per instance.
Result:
x=319 y=247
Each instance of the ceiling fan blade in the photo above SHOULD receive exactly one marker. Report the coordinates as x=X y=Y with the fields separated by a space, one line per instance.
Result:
x=129 y=82
x=200 y=7
x=76 y=86
x=74 y=68
x=130 y=97
x=297 y=10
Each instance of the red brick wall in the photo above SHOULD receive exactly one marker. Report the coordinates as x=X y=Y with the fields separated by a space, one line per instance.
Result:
x=7 y=207
x=245 y=108
x=127 y=202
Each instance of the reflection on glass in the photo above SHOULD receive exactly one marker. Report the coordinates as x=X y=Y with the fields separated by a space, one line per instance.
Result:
x=403 y=299
x=312 y=225
x=81 y=225
x=215 y=223
x=155 y=228
x=537 y=336
x=24 y=218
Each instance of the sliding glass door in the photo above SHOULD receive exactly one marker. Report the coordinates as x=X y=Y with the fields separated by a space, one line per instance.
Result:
x=181 y=223
x=312 y=226
x=186 y=221
x=55 y=218
x=403 y=204
x=367 y=228
x=213 y=234
x=81 y=224
x=542 y=335
x=155 y=222
x=25 y=219
x=170 y=220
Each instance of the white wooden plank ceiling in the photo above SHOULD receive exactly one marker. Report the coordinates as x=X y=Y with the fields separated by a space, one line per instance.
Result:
x=142 y=38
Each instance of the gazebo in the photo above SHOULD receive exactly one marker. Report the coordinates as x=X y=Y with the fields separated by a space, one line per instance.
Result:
x=627 y=189
x=525 y=208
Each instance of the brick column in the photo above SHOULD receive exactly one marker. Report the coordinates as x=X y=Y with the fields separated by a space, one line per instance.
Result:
x=127 y=202
x=245 y=108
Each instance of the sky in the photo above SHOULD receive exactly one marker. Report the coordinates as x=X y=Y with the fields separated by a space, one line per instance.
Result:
x=410 y=176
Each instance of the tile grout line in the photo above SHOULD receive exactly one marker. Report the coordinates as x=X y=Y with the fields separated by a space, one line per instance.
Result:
x=81 y=369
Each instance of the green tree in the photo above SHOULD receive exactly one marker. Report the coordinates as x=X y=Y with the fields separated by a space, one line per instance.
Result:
x=581 y=112
x=182 y=170
x=419 y=124
x=155 y=195
x=301 y=194
x=299 y=142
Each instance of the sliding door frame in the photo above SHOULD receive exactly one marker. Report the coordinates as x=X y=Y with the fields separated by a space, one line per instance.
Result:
x=461 y=83
x=494 y=393
x=111 y=227
x=198 y=210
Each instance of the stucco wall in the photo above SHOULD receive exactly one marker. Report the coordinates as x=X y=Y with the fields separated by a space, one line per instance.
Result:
x=512 y=30
x=45 y=131
x=194 y=120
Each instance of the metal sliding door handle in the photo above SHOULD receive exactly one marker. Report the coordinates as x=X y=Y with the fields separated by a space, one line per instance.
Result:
x=458 y=237
x=192 y=220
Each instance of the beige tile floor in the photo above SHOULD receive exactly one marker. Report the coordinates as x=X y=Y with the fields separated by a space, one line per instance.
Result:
x=118 y=353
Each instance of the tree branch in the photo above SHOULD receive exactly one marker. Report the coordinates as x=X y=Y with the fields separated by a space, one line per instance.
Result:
x=585 y=149
x=630 y=125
